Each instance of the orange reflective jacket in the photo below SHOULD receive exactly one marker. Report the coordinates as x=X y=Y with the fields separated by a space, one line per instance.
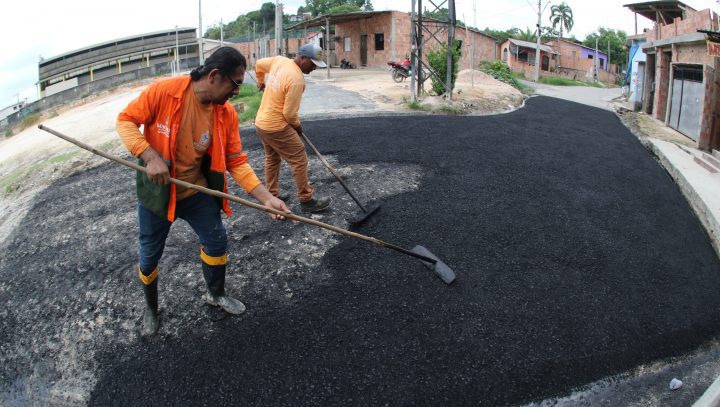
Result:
x=159 y=110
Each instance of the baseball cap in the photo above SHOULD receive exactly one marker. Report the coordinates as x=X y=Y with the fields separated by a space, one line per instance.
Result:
x=313 y=52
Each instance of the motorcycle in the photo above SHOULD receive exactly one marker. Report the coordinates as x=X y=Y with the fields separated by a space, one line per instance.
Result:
x=400 y=70
x=345 y=64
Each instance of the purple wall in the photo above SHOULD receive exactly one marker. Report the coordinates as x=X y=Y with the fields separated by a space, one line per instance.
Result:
x=585 y=52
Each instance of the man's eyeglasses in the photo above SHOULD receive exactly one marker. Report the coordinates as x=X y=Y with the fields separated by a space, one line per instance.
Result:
x=235 y=84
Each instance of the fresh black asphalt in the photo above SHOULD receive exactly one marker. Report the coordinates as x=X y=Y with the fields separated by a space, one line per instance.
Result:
x=576 y=257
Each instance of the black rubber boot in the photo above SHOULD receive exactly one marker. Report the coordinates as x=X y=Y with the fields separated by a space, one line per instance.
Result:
x=151 y=320
x=215 y=280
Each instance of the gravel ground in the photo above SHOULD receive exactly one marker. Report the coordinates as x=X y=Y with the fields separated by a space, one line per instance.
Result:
x=577 y=259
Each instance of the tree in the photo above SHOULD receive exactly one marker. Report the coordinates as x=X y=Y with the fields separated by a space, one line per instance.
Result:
x=616 y=39
x=561 y=15
x=343 y=8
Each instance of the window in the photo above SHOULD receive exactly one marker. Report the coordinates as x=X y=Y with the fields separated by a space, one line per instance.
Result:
x=347 y=44
x=505 y=55
x=379 y=42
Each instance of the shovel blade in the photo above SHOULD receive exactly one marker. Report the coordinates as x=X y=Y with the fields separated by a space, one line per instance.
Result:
x=360 y=217
x=440 y=268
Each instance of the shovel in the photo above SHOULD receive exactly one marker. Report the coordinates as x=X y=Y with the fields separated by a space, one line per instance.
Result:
x=367 y=210
x=428 y=259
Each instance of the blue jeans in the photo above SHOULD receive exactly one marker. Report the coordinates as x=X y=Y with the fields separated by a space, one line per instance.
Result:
x=201 y=211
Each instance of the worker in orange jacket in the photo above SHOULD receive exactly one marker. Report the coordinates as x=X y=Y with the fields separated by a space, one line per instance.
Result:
x=277 y=123
x=190 y=132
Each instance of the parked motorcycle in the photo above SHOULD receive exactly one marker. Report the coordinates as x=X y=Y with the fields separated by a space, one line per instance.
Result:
x=400 y=70
x=345 y=64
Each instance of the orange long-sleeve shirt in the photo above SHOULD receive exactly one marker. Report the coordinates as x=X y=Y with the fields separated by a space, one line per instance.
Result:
x=284 y=86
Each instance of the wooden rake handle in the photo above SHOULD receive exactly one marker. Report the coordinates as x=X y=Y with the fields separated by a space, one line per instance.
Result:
x=239 y=200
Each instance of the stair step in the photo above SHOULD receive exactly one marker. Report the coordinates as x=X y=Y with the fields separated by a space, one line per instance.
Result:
x=705 y=165
x=715 y=161
x=716 y=153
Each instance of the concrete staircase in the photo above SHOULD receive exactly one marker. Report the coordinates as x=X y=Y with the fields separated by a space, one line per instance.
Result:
x=709 y=161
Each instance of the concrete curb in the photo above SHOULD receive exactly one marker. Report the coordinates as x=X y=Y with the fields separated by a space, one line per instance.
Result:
x=671 y=157
x=711 y=397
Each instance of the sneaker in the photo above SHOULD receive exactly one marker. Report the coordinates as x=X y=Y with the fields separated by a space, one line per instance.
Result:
x=315 y=205
x=229 y=304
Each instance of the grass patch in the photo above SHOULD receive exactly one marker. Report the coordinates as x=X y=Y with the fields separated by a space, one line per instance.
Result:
x=29 y=120
x=560 y=81
x=250 y=96
x=12 y=181
x=447 y=109
x=418 y=106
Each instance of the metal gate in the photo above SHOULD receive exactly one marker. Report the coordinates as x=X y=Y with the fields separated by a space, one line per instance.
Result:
x=688 y=95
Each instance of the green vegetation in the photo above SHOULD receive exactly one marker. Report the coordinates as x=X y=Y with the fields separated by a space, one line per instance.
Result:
x=437 y=58
x=12 y=181
x=250 y=96
x=501 y=72
x=560 y=81
x=417 y=106
x=561 y=15
x=29 y=120
x=447 y=109
x=8 y=133
x=615 y=39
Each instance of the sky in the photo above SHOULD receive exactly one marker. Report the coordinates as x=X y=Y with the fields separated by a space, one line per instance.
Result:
x=32 y=28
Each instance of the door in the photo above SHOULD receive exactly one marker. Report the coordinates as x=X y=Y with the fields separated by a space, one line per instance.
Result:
x=688 y=95
x=363 y=49
x=639 y=86
x=545 y=65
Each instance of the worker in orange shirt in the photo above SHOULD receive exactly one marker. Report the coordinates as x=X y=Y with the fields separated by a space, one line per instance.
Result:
x=277 y=123
x=190 y=133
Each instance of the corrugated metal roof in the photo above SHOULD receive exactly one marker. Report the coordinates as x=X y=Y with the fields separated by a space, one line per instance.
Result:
x=527 y=44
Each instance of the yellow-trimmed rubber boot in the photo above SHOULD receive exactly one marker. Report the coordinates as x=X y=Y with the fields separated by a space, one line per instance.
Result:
x=214 y=273
x=151 y=320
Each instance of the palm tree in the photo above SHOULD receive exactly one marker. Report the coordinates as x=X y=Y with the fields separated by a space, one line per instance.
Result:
x=562 y=15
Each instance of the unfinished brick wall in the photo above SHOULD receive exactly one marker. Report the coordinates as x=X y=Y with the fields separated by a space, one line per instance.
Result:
x=396 y=28
x=699 y=20
x=662 y=84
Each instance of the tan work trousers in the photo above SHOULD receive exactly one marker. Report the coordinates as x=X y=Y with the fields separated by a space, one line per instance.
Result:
x=285 y=145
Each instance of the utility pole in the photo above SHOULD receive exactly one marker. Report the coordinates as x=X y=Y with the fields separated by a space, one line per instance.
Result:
x=596 y=59
x=472 y=52
x=536 y=76
x=254 y=42
x=201 y=52
x=327 y=45
x=451 y=49
x=278 y=27
x=221 y=32
x=413 y=48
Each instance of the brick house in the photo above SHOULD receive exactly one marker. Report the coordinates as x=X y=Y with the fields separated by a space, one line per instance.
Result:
x=577 y=61
x=681 y=80
x=519 y=55
x=373 y=38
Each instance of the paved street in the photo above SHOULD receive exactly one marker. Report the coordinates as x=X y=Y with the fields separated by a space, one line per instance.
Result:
x=577 y=258
x=596 y=97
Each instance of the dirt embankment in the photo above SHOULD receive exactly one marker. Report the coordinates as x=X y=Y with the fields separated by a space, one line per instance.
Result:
x=476 y=93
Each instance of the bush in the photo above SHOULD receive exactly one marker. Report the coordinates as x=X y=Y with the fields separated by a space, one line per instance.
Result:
x=502 y=72
x=437 y=59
